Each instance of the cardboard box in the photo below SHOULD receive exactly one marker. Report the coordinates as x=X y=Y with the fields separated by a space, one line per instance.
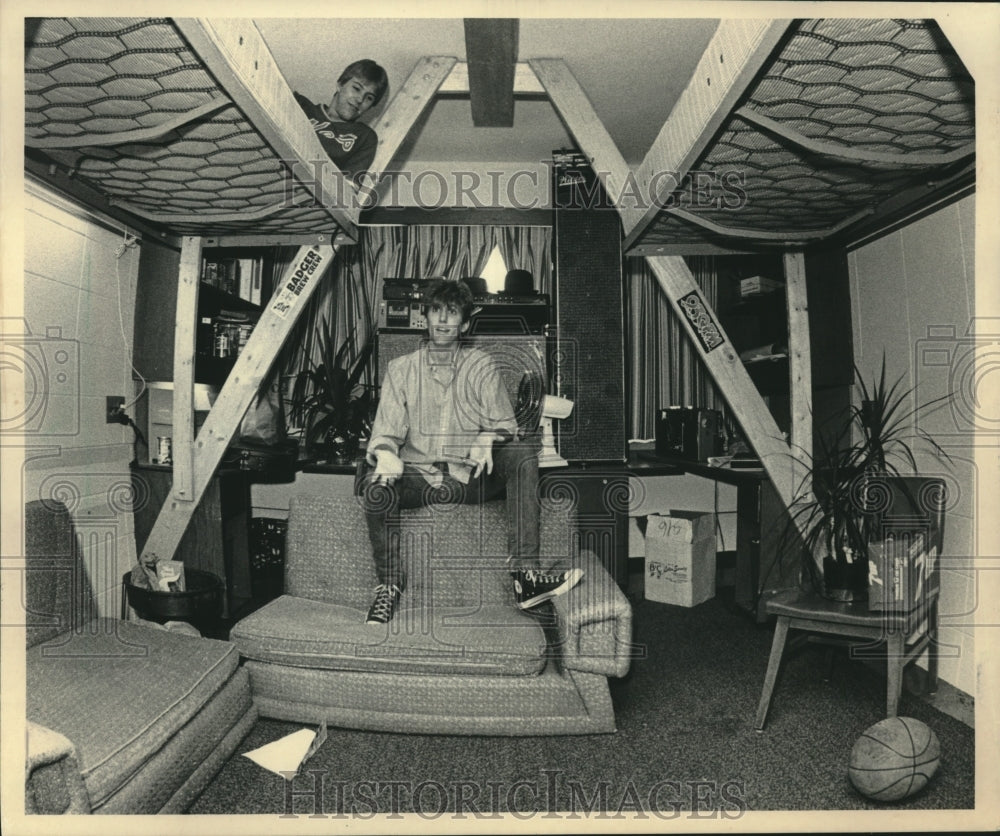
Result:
x=900 y=572
x=680 y=558
x=758 y=284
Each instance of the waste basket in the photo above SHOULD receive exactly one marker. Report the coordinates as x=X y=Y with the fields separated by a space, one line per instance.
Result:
x=200 y=604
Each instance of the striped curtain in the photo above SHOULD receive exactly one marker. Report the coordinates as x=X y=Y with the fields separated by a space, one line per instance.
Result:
x=666 y=369
x=347 y=302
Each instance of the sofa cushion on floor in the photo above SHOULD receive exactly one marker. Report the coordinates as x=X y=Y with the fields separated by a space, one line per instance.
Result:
x=162 y=680
x=491 y=639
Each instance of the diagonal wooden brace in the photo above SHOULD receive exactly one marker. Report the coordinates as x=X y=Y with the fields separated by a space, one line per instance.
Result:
x=404 y=110
x=706 y=334
x=297 y=285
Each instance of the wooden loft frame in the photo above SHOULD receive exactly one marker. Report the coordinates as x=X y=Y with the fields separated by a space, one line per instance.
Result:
x=740 y=47
x=740 y=54
x=236 y=55
x=733 y=57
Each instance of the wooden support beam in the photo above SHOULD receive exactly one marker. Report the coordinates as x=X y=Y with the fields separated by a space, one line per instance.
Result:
x=588 y=130
x=297 y=285
x=491 y=49
x=185 y=338
x=234 y=52
x=799 y=366
x=201 y=219
x=730 y=375
x=734 y=56
x=708 y=337
x=763 y=235
x=405 y=108
x=277 y=239
x=526 y=83
x=694 y=248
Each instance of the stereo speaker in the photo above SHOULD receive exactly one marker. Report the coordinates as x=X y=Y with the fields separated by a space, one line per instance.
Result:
x=589 y=360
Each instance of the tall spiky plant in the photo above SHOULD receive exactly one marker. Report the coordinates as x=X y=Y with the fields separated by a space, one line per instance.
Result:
x=842 y=512
x=329 y=393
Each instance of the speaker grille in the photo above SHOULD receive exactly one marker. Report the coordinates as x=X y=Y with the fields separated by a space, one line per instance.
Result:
x=590 y=358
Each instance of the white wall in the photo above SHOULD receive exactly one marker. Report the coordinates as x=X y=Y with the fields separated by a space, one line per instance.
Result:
x=913 y=300
x=78 y=303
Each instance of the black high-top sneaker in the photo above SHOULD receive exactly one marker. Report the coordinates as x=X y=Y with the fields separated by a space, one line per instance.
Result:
x=384 y=606
x=533 y=586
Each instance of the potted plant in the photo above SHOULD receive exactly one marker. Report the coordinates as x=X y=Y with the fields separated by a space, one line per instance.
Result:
x=841 y=515
x=335 y=408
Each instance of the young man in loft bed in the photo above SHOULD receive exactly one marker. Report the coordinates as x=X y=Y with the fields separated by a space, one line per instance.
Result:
x=349 y=143
x=445 y=432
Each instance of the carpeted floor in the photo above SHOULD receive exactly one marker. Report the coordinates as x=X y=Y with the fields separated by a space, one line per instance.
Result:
x=685 y=743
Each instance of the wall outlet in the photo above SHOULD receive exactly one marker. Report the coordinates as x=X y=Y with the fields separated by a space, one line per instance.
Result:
x=113 y=408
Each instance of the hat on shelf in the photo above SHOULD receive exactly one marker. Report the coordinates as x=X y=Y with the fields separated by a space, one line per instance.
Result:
x=519 y=283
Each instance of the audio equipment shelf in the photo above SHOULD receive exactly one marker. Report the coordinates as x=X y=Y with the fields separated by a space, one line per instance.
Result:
x=757 y=323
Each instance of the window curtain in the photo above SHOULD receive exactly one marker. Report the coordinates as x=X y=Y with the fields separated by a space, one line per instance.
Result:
x=666 y=370
x=346 y=304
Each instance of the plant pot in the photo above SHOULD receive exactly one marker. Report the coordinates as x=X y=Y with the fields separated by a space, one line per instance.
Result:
x=844 y=581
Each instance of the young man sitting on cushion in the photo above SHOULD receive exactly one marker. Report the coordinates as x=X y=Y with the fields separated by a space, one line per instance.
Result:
x=445 y=432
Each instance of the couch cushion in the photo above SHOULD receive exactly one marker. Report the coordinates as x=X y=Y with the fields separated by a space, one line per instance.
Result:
x=492 y=639
x=119 y=691
x=58 y=592
x=329 y=553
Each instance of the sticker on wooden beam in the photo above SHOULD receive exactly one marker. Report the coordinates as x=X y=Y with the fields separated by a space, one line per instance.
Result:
x=285 y=298
x=705 y=328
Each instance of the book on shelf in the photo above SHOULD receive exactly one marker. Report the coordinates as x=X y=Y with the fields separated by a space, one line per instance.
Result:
x=257 y=281
x=251 y=271
x=241 y=277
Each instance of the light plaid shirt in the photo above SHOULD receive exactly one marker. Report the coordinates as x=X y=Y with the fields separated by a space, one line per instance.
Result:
x=431 y=409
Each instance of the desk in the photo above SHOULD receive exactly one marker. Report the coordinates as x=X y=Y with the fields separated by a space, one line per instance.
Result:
x=767 y=549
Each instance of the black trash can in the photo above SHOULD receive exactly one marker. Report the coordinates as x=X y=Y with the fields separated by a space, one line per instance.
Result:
x=199 y=605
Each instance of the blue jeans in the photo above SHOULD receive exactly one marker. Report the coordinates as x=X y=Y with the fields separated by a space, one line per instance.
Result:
x=515 y=474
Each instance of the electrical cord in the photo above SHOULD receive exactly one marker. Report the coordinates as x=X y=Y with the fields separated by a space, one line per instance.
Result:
x=128 y=243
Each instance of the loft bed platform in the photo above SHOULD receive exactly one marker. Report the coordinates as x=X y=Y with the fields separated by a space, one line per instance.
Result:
x=847 y=126
x=185 y=124
x=842 y=127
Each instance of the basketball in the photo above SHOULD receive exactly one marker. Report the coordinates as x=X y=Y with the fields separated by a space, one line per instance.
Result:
x=894 y=759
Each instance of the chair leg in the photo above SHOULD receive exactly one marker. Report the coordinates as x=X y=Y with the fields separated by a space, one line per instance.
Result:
x=829 y=661
x=933 y=648
x=895 y=651
x=773 y=663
